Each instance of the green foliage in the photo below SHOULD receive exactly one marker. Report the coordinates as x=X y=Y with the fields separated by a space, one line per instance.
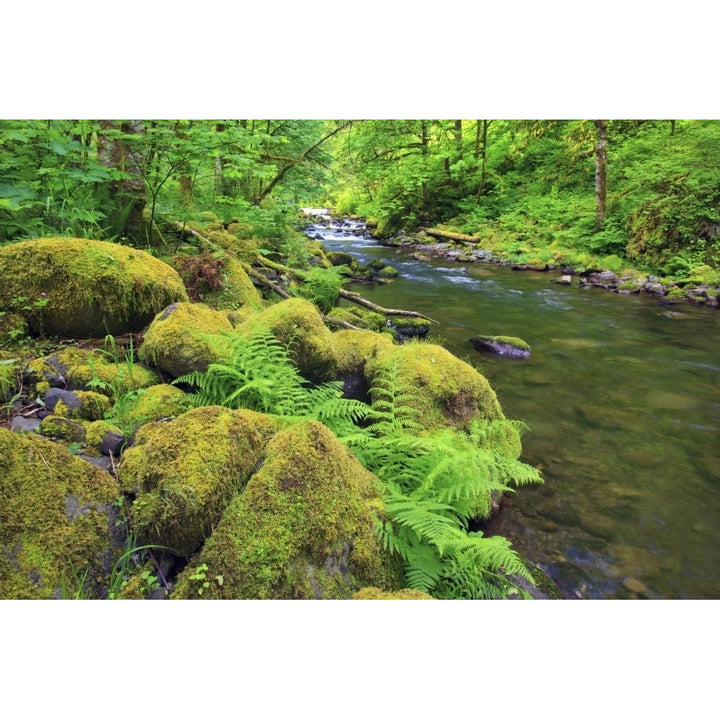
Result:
x=258 y=374
x=434 y=485
x=10 y=385
x=121 y=388
x=321 y=286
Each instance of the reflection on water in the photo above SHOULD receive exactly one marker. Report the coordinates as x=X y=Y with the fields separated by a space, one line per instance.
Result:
x=622 y=398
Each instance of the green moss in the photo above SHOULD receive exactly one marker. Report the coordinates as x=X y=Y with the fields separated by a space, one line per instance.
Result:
x=62 y=428
x=184 y=472
x=352 y=349
x=238 y=292
x=96 y=431
x=92 y=288
x=175 y=340
x=373 y=593
x=78 y=369
x=303 y=527
x=514 y=341
x=449 y=392
x=58 y=530
x=388 y=272
x=94 y=406
x=159 y=401
x=359 y=317
x=298 y=323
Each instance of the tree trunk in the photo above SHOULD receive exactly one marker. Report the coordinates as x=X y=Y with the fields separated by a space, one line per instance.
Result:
x=481 y=129
x=128 y=195
x=600 y=172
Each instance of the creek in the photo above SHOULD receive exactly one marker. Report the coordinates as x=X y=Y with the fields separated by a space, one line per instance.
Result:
x=622 y=400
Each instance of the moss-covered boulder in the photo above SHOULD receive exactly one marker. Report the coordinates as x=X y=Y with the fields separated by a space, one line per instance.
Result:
x=58 y=531
x=303 y=527
x=297 y=323
x=156 y=402
x=184 y=473
x=177 y=339
x=445 y=391
x=85 y=288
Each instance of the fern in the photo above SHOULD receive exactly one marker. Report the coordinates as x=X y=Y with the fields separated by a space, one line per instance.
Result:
x=257 y=373
x=434 y=485
x=321 y=286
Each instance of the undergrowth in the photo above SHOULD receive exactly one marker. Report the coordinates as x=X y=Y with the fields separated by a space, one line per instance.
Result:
x=434 y=483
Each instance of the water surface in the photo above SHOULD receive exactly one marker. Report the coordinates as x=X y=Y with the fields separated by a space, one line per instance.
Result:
x=622 y=400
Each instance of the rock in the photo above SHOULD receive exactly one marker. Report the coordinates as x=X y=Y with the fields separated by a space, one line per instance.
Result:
x=59 y=524
x=302 y=528
x=503 y=345
x=184 y=473
x=563 y=280
x=18 y=423
x=407 y=328
x=176 y=341
x=635 y=586
x=297 y=324
x=61 y=428
x=55 y=395
x=112 y=443
x=86 y=288
x=453 y=393
x=78 y=369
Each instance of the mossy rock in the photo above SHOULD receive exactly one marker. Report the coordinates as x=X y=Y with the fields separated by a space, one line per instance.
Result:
x=58 y=530
x=159 y=401
x=303 y=528
x=504 y=345
x=176 y=341
x=238 y=292
x=88 y=370
x=388 y=273
x=184 y=473
x=62 y=428
x=86 y=288
x=298 y=324
x=93 y=406
x=352 y=349
x=447 y=391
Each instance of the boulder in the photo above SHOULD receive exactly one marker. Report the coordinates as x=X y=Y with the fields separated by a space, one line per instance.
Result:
x=85 y=288
x=177 y=339
x=184 y=472
x=59 y=530
x=303 y=528
x=297 y=324
x=441 y=390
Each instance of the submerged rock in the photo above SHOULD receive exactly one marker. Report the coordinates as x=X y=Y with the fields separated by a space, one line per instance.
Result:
x=501 y=345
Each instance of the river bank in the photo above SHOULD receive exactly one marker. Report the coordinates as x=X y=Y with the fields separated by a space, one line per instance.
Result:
x=700 y=287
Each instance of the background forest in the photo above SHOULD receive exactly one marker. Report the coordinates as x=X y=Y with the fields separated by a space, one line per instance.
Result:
x=577 y=193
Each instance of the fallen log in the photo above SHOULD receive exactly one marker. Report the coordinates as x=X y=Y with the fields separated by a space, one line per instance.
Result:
x=447 y=235
x=360 y=300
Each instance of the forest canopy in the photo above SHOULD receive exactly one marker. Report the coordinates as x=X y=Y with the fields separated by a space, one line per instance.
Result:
x=645 y=192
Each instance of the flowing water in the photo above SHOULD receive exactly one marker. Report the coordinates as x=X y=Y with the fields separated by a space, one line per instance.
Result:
x=622 y=400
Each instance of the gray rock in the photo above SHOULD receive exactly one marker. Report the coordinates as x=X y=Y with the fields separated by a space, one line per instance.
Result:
x=54 y=395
